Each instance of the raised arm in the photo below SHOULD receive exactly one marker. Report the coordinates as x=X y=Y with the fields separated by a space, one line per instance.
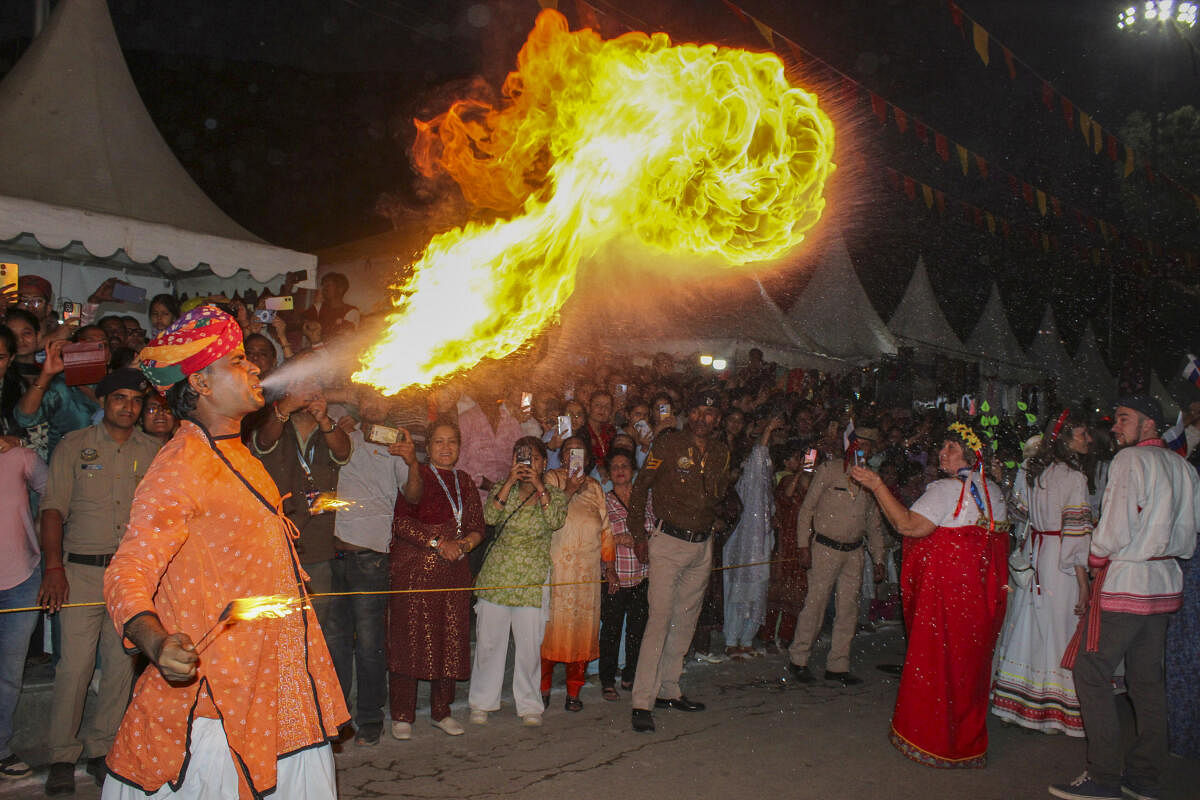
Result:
x=907 y=523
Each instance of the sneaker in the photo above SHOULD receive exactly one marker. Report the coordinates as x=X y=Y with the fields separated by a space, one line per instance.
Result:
x=1084 y=788
x=402 y=730
x=531 y=720
x=479 y=716
x=449 y=726
x=60 y=779
x=711 y=658
x=1135 y=789
x=368 y=734
x=14 y=767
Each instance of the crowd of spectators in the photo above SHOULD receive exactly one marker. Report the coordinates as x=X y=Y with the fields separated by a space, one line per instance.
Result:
x=502 y=476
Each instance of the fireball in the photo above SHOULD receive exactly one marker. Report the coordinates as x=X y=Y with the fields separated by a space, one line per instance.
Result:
x=695 y=150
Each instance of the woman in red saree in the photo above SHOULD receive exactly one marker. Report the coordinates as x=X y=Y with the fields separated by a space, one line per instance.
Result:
x=952 y=585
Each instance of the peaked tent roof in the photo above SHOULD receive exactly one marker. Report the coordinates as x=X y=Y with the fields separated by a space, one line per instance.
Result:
x=1170 y=408
x=1094 y=378
x=834 y=309
x=919 y=320
x=994 y=341
x=84 y=162
x=1050 y=355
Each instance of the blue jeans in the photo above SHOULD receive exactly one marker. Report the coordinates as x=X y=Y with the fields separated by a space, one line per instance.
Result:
x=356 y=632
x=15 y=630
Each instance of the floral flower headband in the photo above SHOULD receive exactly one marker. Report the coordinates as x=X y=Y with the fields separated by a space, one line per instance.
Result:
x=968 y=436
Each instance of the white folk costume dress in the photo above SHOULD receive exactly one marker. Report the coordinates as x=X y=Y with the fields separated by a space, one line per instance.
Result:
x=1031 y=687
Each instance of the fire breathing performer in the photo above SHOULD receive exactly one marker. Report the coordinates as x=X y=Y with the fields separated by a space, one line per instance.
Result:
x=252 y=709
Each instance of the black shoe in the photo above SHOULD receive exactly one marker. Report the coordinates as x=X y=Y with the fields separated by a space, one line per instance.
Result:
x=845 y=678
x=369 y=733
x=680 y=703
x=573 y=704
x=60 y=779
x=643 y=721
x=801 y=674
x=545 y=701
x=97 y=769
x=891 y=669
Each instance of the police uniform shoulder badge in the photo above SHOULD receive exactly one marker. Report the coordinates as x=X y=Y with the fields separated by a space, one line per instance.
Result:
x=685 y=462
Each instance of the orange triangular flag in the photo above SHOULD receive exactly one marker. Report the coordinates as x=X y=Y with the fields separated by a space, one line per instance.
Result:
x=981 y=41
x=1128 y=161
x=1085 y=127
x=1041 y=202
x=765 y=30
x=962 y=156
x=927 y=192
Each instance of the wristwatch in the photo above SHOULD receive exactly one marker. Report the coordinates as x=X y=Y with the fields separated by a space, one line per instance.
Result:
x=434 y=543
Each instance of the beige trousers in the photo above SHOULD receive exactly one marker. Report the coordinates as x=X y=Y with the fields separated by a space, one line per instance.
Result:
x=81 y=629
x=830 y=569
x=678 y=578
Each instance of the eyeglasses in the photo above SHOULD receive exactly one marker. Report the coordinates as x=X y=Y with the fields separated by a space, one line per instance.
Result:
x=31 y=301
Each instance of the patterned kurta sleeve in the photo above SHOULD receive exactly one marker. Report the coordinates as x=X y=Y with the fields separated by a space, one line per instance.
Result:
x=1076 y=523
x=158 y=527
x=608 y=545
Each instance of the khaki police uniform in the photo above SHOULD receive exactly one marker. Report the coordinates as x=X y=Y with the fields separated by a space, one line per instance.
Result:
x=91 y=484
x=836 y=516
x=687 y=485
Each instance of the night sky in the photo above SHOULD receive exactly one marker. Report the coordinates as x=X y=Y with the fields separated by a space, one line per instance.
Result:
x=295 y=116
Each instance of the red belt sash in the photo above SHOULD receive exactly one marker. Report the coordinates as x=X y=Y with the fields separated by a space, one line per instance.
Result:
x=1088 y=630
x=1036 y=551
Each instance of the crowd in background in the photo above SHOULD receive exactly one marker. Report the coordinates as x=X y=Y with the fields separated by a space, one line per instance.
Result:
x=497 y=478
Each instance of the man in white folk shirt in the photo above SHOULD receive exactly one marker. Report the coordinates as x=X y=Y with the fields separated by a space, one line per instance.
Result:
x=357 y=630
x=1150 y=515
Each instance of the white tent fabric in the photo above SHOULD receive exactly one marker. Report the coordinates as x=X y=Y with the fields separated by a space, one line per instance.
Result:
x=83 y=162
x=1170 y=408
x=834 y=310
x=1095 y=380
x=1001 y=356
x=918 y=321
x=1050 y=355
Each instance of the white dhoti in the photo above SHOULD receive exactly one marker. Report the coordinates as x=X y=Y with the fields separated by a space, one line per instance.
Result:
x=211 y=774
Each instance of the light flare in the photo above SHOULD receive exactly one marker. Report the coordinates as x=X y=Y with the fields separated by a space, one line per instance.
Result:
x=271 y=606
x=695 y=150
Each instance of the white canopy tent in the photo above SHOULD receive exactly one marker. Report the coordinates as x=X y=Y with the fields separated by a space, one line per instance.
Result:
x=1095 y=381
x=919 y=323
x=834 y=309
x=1002 y=363
x=1050 y=355
x=88 y=186
x=1170 y=407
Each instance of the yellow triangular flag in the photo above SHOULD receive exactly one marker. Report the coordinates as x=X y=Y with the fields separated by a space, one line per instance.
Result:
x=981 y=41
x=1045 y=243
x=1128 y=161
x=766 y=31
x=962 y=156
x=928 y=194
x=1104 y=229
x=991 y=223
x=1085 y=127
x=1097 y=137
x=1041 y=202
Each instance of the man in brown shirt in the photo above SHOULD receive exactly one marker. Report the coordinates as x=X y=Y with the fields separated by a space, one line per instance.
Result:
x=93 y=475
x=688 y=471
x=835 y=517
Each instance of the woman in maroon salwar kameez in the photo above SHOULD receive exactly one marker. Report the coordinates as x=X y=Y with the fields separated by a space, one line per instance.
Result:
x=429 y=632
x=952 y=586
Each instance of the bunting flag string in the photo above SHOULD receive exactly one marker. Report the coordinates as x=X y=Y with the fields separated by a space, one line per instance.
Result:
x=999 y=225
x=1035 y=197
x=1098 y=138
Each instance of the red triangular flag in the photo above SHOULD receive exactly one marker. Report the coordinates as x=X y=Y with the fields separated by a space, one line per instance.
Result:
x=1008 y=62
x=740 y=14
x=1111 y=142
x=921 y=131
x=1047 y=96
x=1068 y=110
x=981 y=164
x=910 y=188
x=879 y=106
x=956 y=16
x=1027 y=193
x=901 y=119
x=941 y=146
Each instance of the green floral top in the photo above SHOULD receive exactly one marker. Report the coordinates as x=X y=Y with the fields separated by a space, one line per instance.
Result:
x=520 y=555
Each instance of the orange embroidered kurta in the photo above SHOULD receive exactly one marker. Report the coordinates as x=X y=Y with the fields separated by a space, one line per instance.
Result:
x=197 y=539
x=578 y=547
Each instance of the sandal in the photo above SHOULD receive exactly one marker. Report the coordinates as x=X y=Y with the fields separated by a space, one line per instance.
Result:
x=610 y=693
x=627 y=685
x=573 y=704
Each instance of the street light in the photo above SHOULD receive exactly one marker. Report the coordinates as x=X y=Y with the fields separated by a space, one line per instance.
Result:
x=1158 y=12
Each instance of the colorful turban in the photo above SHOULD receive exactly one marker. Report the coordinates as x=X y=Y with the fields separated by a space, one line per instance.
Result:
x=195 y=340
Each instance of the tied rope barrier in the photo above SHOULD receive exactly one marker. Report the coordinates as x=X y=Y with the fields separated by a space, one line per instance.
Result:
x=418 y=591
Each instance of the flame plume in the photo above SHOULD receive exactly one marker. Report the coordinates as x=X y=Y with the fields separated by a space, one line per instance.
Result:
x=693 y=149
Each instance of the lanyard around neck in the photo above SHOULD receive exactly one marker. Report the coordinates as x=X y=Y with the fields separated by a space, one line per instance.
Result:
x=456 y=501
